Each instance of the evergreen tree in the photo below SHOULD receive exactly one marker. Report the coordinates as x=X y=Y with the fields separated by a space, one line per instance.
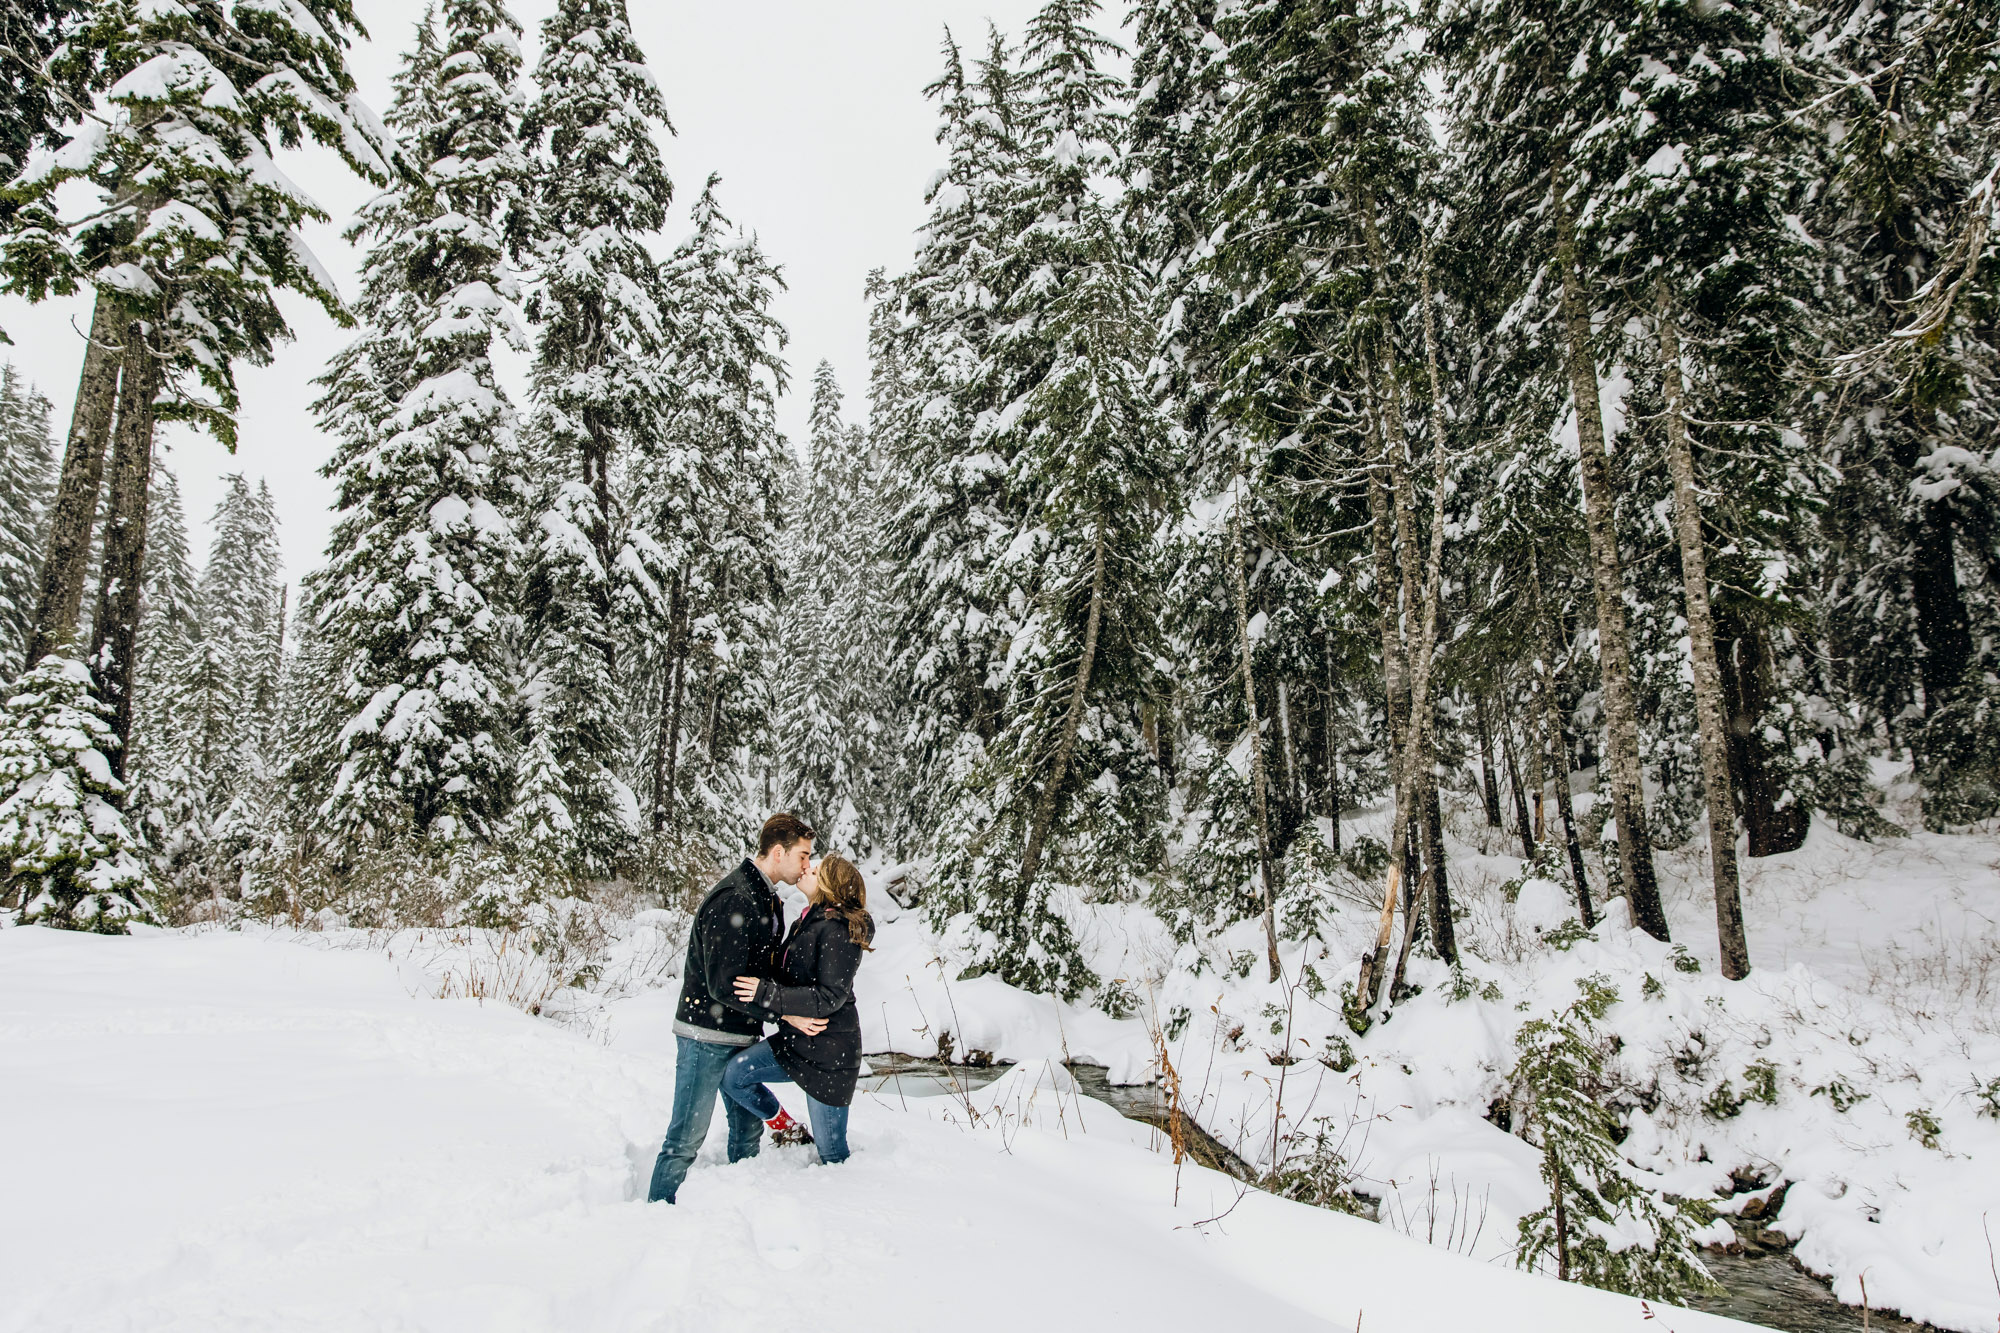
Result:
x=33 y=104
x=206 y=769
x=1909 y=137
x=1521 y=120
x=1067 y=781
x=822 y=731
x=195 y=233
x=948 y=522
x=27 y=482
x=71 y=860
x=172 y=614
x=706 y=530
x=414 y=599
x=601 y=396
x=1601 y=1226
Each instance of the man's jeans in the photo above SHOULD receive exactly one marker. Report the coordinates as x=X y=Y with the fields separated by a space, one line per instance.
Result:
x=743 y=1083
x=698 y=1067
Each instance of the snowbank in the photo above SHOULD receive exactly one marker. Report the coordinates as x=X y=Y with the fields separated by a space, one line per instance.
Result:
x=1858 y=1061
x=237 y=1130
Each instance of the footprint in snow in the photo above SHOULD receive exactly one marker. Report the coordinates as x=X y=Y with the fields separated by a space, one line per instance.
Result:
x=785 y=1234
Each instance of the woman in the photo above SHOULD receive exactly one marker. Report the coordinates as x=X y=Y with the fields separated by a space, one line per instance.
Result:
x=815 y=980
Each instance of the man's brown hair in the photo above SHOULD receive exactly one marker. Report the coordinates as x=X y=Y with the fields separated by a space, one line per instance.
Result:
x=785 y=831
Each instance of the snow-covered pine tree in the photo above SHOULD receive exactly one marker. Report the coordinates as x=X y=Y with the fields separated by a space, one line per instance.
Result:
x=1518 y=120
x=1321 y=158
x=27 y=483
x=600 y=400
x=1601 y=1226
x=707 y=525
x=821 y=731
x=415 y=600
x=1686 y=194
x=71 y=859
x=33 y=105
x=205 y=773
x=160 y=789
x=1910 y=132
x=187 y=264
x=947 y=524
x=1068 y=782
x=240 y=593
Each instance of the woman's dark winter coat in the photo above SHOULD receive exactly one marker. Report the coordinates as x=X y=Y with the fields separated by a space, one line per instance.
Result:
x=815 y=979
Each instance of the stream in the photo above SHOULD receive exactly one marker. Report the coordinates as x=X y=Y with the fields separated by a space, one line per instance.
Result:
x=1764 y=1284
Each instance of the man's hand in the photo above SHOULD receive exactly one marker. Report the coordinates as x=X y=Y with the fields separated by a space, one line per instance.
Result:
x=746 y=989
x=812 y=1027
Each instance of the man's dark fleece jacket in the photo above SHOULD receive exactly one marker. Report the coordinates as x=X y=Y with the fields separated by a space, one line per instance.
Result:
x=736 y=933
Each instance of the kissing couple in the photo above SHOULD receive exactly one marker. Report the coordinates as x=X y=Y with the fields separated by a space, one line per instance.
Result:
x=744 y=970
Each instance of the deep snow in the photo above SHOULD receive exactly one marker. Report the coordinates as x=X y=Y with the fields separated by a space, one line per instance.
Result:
x=1875 y=1002
x=251 y=1130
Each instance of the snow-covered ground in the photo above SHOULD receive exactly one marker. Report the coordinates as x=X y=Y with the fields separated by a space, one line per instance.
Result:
x=245 y=1130
x=1871 y=1020
x=331 y=1129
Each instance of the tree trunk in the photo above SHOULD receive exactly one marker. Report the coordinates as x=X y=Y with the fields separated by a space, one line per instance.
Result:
x=1558 y=745
x=1745 y=659
x=667 y=739
x=1333 y=797
x=1522 y=821
x=74 y=508
x=1628 y=795
x=114 y=650
x=1444 y=937
x=1245 y=658
x=1387 y=589
x=1416 y=747
x=1394 y=671
x=1562 y=1215
x=1707 y=675
x=1419 y=875
x=1045 y=805
x=1565 y=806
x=1442 y=934
x=1489 y=784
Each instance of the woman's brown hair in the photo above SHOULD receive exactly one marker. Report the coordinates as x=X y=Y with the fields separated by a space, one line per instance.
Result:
x=843 y=894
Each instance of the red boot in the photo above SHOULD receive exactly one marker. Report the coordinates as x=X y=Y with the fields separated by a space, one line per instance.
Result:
x=785 y=1130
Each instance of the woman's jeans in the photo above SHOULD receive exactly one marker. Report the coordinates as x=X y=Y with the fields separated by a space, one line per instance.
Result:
x=698 y=1070
x=743 y=1080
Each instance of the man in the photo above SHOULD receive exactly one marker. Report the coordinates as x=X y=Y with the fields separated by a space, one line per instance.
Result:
x=736 y=932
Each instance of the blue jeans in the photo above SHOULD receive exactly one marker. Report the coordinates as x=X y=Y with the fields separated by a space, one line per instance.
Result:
x=743 y=1083
x=698 y=1068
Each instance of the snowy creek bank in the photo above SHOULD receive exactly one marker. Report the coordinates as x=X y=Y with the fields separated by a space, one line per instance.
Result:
x=1859 y=1064
x=241 y=1130
x=1763 y=1283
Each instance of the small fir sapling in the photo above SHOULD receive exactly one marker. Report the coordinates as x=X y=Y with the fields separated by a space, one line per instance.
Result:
x=1601 y=1226
x=71 y=859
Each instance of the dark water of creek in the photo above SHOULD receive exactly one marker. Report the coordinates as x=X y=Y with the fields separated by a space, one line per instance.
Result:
x=1764 y=1284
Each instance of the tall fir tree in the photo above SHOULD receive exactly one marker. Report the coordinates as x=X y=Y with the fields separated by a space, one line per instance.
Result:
x=1067 y=786
x=600 y=404
x=707 y=523
x=948 y=522
x=27 y=484
x=821 y=732
x=71 y=859
x=198 y=234
x=1520 y=122
x=415 y=599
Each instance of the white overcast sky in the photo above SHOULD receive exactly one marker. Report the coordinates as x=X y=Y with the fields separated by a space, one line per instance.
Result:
x=813 y=113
